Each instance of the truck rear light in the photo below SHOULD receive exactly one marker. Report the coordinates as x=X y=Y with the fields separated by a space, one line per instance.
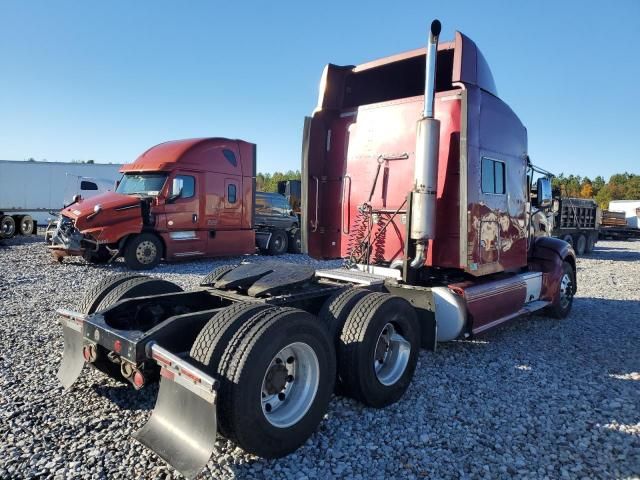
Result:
x=138 y=379
x=117 y=346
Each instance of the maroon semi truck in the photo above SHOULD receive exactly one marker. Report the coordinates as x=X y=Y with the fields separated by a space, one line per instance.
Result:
x=417 y=174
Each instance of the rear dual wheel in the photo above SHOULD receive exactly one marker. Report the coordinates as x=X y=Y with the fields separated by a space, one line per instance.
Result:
x=110 y=290
x=7 y=226
x=25 y=225
x=276 y=368
x=580 y=244
x=378 y=349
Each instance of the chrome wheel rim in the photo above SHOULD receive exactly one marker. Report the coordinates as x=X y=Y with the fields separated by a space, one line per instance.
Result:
x=7 y=228
x=566 y=290
x=146 y=252
x=391 y=355
x=290 y=384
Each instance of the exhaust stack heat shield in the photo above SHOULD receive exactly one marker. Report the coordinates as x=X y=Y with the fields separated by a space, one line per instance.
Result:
x=423 y=206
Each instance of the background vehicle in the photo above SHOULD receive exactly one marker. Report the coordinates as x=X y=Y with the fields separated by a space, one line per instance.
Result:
x=276 y=223
x=292 y=191
x=180 y=199
x=576 y=221
x=30 y=191
x=622 y=220
x=255 y=353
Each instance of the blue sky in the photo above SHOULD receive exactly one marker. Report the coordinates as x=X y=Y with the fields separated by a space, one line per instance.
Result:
x=106 y=80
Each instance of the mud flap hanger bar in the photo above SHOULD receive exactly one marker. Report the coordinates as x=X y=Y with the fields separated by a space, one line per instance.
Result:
x=182 y=427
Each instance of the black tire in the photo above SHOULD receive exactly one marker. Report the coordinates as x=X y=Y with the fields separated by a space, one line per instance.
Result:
x=580 y=244
x=134 y=286
x=98 y=291
x=137 y=287
x=568 y=239
x=591 y=243
x=336 y=309
x=143 y=252
x=25 y=226
x=244 y=366
x=359 y=342
x=295 y=241
x=278 y=243
x=7 y=226
x=213 y=339
x=214 y=275
x=560 y=309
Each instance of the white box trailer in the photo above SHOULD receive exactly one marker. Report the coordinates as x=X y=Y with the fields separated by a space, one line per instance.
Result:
x=30 y=191
x=631 y=209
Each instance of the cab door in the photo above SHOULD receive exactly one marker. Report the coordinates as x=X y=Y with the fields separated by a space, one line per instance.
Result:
x=183 y=211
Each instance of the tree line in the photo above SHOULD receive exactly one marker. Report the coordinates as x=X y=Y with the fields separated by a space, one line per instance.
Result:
x=268 y=182
x=621 y=186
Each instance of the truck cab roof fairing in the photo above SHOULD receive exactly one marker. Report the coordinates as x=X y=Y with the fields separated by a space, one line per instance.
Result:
x=402 y=76
x=188 y=153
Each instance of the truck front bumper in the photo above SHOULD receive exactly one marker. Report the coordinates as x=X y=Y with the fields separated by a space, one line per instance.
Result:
x=64 y=240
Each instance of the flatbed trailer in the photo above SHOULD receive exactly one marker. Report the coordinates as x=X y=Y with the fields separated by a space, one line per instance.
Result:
x=619 y=233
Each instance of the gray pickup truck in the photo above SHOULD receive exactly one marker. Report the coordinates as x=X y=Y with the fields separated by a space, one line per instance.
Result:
x=277 y=226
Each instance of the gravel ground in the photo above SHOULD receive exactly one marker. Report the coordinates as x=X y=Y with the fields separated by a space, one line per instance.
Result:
x=539 y=398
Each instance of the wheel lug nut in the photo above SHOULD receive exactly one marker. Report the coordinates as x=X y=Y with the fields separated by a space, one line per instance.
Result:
x=289 y=378
x=281 y=396
x=290 y=360
x=278 y=361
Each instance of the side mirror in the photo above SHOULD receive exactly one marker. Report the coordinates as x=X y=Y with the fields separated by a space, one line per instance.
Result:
x=544 y=193
x=176 y=190
x=76 y=198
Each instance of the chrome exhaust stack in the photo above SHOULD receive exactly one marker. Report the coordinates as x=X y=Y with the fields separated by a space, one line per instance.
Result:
x=423 y=204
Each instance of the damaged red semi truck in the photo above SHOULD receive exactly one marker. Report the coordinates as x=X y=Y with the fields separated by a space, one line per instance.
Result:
x=180 y=199
x=414 y=171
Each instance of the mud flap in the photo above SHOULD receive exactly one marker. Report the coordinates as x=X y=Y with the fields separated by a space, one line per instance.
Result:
x=182 y=427
x=72 y=359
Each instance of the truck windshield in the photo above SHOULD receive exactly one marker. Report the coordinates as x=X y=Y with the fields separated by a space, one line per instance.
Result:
x=144 y=183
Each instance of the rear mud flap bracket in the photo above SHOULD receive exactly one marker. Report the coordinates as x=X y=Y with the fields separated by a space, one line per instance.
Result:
x=182 y=426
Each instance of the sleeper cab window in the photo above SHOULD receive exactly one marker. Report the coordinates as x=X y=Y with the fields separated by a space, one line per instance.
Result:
x=86 y=185
x=185 y=185
x=231 y=193
x=492 y=176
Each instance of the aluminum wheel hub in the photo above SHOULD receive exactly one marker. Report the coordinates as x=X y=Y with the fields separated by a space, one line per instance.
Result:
x=391 y=355
x=290 y=384
x=566 y=290
x=146 y=252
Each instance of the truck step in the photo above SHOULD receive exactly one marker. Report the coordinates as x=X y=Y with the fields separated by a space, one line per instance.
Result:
x=352 y=276
x=533 y=306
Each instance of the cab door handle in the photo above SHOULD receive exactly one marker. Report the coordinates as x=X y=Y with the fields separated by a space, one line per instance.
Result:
x=194 y=218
